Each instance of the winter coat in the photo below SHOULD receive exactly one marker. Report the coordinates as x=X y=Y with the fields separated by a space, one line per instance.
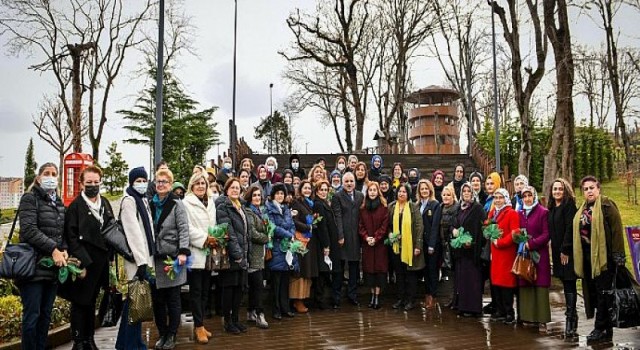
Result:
x=346 y=212
x=503 y=252
x=83 y=234
x=328 y=236
x=172 y=239
x=275 y=177
x=431 y=228
x=416 y=234
x=471 y=220
x=285 y=230
x=136 y=237
x=374 y=223
x=200 y=219
x=443 y=221
x=537 y=226
x=42 y=226
x=308 y=262
x=238 y=244
x=258 y=238
x=561 y=233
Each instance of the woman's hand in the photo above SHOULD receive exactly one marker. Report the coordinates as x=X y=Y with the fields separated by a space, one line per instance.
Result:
x=526 y=246
x=454 y=232
x=327 y=251
x=182 y=259
x=294 y=212
x=59 y=258
x=416 y=252
x=564 y=259
x=467 y=245
x=431 y=250
x=341 y=242
x=211 y=242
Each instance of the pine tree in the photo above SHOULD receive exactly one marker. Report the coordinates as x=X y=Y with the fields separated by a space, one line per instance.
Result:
x=115 y=172
x=30 y=165
x=274 y=133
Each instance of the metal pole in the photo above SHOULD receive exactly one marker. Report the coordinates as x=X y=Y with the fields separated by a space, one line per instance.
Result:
x=159 y=87
x=496 y=121
x=234 y=155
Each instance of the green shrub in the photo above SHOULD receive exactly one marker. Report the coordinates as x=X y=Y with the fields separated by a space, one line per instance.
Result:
x=11 y=316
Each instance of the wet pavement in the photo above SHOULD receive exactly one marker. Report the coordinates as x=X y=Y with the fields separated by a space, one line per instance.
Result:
x=361 y=328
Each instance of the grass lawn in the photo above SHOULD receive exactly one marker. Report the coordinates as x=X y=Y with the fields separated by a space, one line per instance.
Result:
x=7 y=215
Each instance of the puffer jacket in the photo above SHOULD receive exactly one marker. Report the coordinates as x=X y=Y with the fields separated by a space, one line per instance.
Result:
x=258 y=237
x=285 y=229
x=42 y=226
x=200 y=219
x=238 y=244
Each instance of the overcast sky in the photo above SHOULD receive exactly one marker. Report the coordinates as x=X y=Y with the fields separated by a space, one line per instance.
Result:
x=262 y=31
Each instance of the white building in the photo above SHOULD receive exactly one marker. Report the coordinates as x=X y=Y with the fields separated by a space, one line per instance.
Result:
x=11 y=190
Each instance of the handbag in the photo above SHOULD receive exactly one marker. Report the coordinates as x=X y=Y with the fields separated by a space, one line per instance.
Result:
x=485 y=254
x=18 y=260
x=524 y=267
x=113 y=234
x=110 y=307
x=140 y=307
x=622 y=300
x=217 y=260
x=268 y=254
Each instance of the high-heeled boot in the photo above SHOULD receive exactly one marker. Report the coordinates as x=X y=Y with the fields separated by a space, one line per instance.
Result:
x=571 y=322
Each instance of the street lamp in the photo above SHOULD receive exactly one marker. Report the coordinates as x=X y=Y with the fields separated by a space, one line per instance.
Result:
x=232 y=132
x=159 y=77
x=496 y=121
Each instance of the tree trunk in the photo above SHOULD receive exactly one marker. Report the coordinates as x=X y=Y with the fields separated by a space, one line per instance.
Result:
x=76 y=99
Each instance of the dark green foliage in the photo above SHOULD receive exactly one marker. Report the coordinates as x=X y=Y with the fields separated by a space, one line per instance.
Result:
x=115 y=173
x=274 y=133
x=187 y=133
x=30 y=165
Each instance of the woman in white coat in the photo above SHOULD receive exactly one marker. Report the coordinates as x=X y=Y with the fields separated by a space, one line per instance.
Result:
x=201 y=211
x=138 y=228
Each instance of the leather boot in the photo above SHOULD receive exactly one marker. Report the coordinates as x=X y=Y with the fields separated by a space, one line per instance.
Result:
x=170 y=343
x=92 y=343
x=261 y=322
x=299 y=306
x=239 y=326
x=376 y=302
x=79 y=344
x=201 y=335
x=571 y=323
x=209 y=334
x=371 y=303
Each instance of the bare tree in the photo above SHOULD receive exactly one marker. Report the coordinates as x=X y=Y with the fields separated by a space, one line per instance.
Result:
x=593 y=82
x=83 y=43
x=53 y=127
x=333 y=39
x=523 y=91
x=559 y=159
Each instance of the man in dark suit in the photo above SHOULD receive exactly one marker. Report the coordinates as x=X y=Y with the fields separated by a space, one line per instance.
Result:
x=346 y=207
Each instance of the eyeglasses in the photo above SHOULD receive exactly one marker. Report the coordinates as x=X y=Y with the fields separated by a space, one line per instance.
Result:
x=162 y=182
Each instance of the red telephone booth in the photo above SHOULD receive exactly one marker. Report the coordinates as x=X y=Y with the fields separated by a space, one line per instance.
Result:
x=73 y=165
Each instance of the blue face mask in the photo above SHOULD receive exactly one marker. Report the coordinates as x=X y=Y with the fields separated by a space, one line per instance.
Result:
x=49 y=183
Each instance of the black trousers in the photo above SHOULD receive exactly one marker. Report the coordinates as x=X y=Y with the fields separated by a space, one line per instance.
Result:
x=83 y=321
x=166 y=309
x=336 y=286
x=280 y=286
x=199 y=283
x=432 y=271
x=569 y=286
x=406 y=281
x=354 y=274
x=596 y=286
x=255 y=291
x=504 y=300
x=318 y=286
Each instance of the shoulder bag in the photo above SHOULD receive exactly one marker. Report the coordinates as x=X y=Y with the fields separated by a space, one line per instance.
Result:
x=523 y=266
x=18 y=260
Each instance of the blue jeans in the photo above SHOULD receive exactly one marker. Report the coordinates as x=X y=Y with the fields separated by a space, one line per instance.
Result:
x=129 y=335
x=37 y=303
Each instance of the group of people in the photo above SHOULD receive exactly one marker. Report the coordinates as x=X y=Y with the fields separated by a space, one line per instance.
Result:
x=353 y=222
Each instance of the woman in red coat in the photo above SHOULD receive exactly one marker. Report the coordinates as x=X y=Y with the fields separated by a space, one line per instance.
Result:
x=374 y=221
x=503 y=253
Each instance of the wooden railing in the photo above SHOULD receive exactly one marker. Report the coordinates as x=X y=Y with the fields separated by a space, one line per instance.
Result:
x=487 y=165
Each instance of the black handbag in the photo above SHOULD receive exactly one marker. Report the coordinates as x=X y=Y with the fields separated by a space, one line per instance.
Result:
x=110 y=307
x=485 y=254
x=622 y=300
x=113 y=234
x=18 y=260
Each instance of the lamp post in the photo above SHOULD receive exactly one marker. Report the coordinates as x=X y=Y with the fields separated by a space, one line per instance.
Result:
x=232 y=132
x=159 y=87
x=496 y=121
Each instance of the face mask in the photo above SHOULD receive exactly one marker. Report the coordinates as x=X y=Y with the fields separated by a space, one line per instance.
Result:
x=141 y=187
x=227 y=166
x=271 y=168
x=340 y=166
x=215 y=196
x=49 y=183
x=295 y=165
x=335 y=185
x=92 y=191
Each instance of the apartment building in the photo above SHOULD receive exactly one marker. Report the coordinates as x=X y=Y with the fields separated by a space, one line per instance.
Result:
x=11 y=189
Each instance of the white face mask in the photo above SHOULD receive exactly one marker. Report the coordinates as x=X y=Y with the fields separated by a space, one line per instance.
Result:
x=271 y=168
x=295 y=165
x=340 y=166
x=215 y=195
x=140 y=187
x=49 y=183
x=227 y=166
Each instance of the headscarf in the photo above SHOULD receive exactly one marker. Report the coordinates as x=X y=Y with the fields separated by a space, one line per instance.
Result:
x=523 y=179
x=518 y=195
x=505 y=194
x=531 y=190
x=433 y=177
x=376 y=156
x=466 y=204
x=496 y=179
x=332 y=175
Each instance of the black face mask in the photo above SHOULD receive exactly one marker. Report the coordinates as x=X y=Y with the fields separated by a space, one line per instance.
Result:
x=92 y=191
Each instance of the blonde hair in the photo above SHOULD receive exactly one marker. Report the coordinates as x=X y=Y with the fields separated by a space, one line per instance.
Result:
x=166 y=173
x=195 y=178
x=432 y=195
x=451 y=190
x=313 y=170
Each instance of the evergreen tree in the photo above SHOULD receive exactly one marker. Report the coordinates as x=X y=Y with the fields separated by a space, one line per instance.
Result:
x=274 y=133
x=30 y=165
x=187 y=133
x=114 y=174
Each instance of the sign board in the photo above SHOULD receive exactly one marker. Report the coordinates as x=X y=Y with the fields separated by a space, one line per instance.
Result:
x=633 y=237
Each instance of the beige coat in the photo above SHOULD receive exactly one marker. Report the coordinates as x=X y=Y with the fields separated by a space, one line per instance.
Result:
x=200 y=219
x=134 y=231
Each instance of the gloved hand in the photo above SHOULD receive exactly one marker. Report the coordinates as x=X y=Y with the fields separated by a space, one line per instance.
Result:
x=142 y=272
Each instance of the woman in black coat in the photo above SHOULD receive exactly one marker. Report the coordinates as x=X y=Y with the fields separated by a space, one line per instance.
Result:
x=426 y=199
x=86 y=217
x=41 y=215
x=562 y=209
x=229 y=210
x=328 y=245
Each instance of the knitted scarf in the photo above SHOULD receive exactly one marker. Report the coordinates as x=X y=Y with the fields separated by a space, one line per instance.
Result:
x=407 y=237
x=146 y=221
x=598 y=241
